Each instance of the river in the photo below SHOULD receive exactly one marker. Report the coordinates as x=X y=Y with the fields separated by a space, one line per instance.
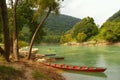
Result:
x=96 y=56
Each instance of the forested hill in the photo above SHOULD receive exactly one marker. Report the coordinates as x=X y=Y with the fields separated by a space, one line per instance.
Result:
x=110 y=30
x=115 y=17
x=56 y=25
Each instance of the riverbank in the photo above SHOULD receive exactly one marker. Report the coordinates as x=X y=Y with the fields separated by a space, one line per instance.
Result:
x=91 y=43
x=30 y=70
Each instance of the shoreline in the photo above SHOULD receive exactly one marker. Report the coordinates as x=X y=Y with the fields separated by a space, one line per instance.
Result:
x=91 y=44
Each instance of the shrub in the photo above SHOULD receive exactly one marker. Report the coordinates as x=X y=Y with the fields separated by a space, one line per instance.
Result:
x=22 y=44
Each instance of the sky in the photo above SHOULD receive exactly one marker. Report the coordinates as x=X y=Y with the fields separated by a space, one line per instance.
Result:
x=100 y=10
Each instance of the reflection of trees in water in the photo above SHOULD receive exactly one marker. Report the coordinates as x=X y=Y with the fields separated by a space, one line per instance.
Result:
x=101 y=61
x=88 y=73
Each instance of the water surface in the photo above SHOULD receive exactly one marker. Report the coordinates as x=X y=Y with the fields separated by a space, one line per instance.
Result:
x=107 y=56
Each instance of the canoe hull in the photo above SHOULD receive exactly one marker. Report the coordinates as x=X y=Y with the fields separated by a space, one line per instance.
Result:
x=50 y=54
x=76 y=68
x=57 y=58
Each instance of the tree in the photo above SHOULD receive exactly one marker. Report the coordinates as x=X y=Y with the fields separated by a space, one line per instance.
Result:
x=83 y=30
x=44 y=6
x=4 y=19
x=81 y=37
x=66 y=38
x=1 y=39
x=110 y=31
x=86 y=26
x=15 y=32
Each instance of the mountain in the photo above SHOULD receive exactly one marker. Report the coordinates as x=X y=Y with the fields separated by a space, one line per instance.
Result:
x=56 y=25
x=115 y=17
x=110 y=30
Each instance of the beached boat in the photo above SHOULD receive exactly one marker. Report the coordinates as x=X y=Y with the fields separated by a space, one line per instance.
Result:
x=57 y=58
x=76 y=68
x=50 y=54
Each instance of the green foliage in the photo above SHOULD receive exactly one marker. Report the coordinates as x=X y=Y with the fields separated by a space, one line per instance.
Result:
x=66 y=38
x=25 y=24
x=22 y=44
x=51 y=39
x=115 y=17
x=57 y=24
x=86 y=26
x=81 y=31
x=24 y=34
x=39 y=35
x=44 y=5
x=110 y=31
x=81 y=37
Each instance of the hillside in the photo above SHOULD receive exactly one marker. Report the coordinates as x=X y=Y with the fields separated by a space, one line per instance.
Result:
x=110 y=30
x=56 y=25
x=115 y=17
x=60 y=23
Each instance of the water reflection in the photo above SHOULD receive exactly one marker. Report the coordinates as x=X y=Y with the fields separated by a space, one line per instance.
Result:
x=101 y=61
x=98 y=74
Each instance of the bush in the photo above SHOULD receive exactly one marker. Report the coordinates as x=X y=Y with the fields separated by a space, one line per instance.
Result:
x=22 y=44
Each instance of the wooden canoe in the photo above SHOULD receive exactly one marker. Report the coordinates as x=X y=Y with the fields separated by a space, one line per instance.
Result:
x=57 y=58
x=50 y=54
x=76 y=68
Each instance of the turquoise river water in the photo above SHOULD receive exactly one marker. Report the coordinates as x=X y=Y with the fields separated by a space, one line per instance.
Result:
x=104 y=56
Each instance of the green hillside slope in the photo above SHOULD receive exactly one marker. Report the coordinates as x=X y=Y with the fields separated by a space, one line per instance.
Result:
x=56 y=25
x=110 y=30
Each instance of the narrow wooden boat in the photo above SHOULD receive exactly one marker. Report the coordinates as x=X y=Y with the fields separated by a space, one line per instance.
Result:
x=57 y=58
x=50 y=54
x=76 y=68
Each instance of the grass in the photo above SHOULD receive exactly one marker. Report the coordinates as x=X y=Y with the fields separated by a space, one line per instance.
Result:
x=8 y=73
x=38 y=76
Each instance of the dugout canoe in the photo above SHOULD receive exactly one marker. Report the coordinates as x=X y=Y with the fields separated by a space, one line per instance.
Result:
x=76 y=68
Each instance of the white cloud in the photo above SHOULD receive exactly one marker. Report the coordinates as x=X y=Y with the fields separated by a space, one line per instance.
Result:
x=100 y=10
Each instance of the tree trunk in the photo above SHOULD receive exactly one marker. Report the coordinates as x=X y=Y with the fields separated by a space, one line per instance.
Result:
x=36 y=31
x=15 y=36
x=4 y=17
